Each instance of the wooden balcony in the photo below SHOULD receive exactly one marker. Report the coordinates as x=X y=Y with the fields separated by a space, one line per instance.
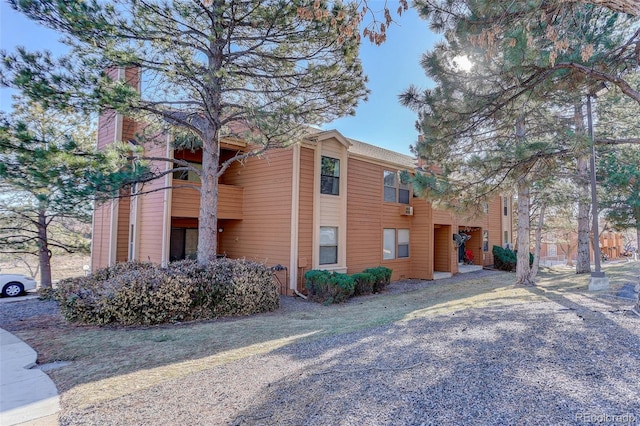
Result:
x=185 y=202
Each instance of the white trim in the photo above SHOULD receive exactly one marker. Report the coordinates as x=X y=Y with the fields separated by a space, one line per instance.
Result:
x=330 y=134
x=113 y=232
x=295 y=209
x=168 y=181
x=342 y=242
x=317 y=164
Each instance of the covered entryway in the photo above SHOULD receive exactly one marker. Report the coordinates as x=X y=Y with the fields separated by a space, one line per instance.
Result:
x=442 y=248
x=472 y=245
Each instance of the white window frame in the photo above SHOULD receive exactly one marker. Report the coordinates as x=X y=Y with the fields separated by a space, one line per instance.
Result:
x=329 y=244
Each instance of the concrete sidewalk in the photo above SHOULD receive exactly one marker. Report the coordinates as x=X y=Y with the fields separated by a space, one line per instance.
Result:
x=27 y=396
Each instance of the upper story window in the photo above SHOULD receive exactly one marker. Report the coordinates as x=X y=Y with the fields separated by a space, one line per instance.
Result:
x=505 y=204
x=395 y=191
x=330 y=176
x=188 y=175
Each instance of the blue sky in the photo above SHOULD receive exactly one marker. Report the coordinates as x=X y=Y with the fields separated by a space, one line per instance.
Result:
x=391 y=68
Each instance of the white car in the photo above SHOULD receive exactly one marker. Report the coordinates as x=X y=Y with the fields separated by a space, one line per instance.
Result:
x=15 y=284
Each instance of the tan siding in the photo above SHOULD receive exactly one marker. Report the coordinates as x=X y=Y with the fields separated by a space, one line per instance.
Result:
x=106 y=129
x=185 y=202
x=128 y=129
x=421 y=244
x=100 y=236
x=305 y=216
x=368 y=215
x=264 y=233
x=442 y=216
x=151 y=211
x=443 y=248
x=364 y=215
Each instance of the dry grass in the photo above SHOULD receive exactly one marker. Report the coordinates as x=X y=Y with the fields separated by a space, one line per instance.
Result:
x=112 y=362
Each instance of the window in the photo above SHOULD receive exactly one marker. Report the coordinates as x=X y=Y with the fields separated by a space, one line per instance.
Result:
x=395 y=191
x=485 y=240
x=506 y=237
x=188 y=175
x=553 y=250
x=505 y=204
x=389 y=248
x=403 y=193
x=389 y=244
x=390 y=186
x=403 y=243
x=485 y=208
x=330 y=176
x=328 y=245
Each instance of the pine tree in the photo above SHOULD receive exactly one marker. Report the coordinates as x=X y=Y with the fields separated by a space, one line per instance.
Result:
x=49 y=177
x=260 y=71
x=528 y=60
x=619 y=176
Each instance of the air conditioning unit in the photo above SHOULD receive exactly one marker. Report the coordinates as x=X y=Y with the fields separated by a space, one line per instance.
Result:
x=408 y=211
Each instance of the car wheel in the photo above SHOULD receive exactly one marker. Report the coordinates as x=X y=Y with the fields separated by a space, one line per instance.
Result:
x=12 y=289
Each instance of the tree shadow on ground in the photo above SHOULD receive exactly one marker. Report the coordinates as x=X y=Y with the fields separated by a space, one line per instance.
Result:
x=542 y=364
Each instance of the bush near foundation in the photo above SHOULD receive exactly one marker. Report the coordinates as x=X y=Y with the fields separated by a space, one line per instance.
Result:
x=333 y=287
x=328 y=287
x=364 y=283
x=382 y=277
x=136 y=293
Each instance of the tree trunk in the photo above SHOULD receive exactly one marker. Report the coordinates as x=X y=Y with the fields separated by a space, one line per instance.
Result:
x=44 y=255
x=208 y=219
x=523 y=270
x=583 y=259
x=210 y=131
x=538 y=243
x=569 y=255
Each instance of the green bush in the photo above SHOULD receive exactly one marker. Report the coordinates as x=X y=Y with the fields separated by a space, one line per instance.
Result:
x=144 y=293
x=363 y=283
x=504 y=259
x=382 y=277
x=328 y=287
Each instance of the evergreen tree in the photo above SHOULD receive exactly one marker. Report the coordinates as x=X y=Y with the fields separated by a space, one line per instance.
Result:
x=503 y=122
x=49 y=177
x=260 y=71
x=619 y=176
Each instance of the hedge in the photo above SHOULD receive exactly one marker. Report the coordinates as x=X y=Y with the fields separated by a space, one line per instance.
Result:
x=135 y=293
x=333 y=287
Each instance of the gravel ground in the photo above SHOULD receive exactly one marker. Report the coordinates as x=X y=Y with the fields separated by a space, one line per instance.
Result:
x=543 y=363
x=569 y=361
